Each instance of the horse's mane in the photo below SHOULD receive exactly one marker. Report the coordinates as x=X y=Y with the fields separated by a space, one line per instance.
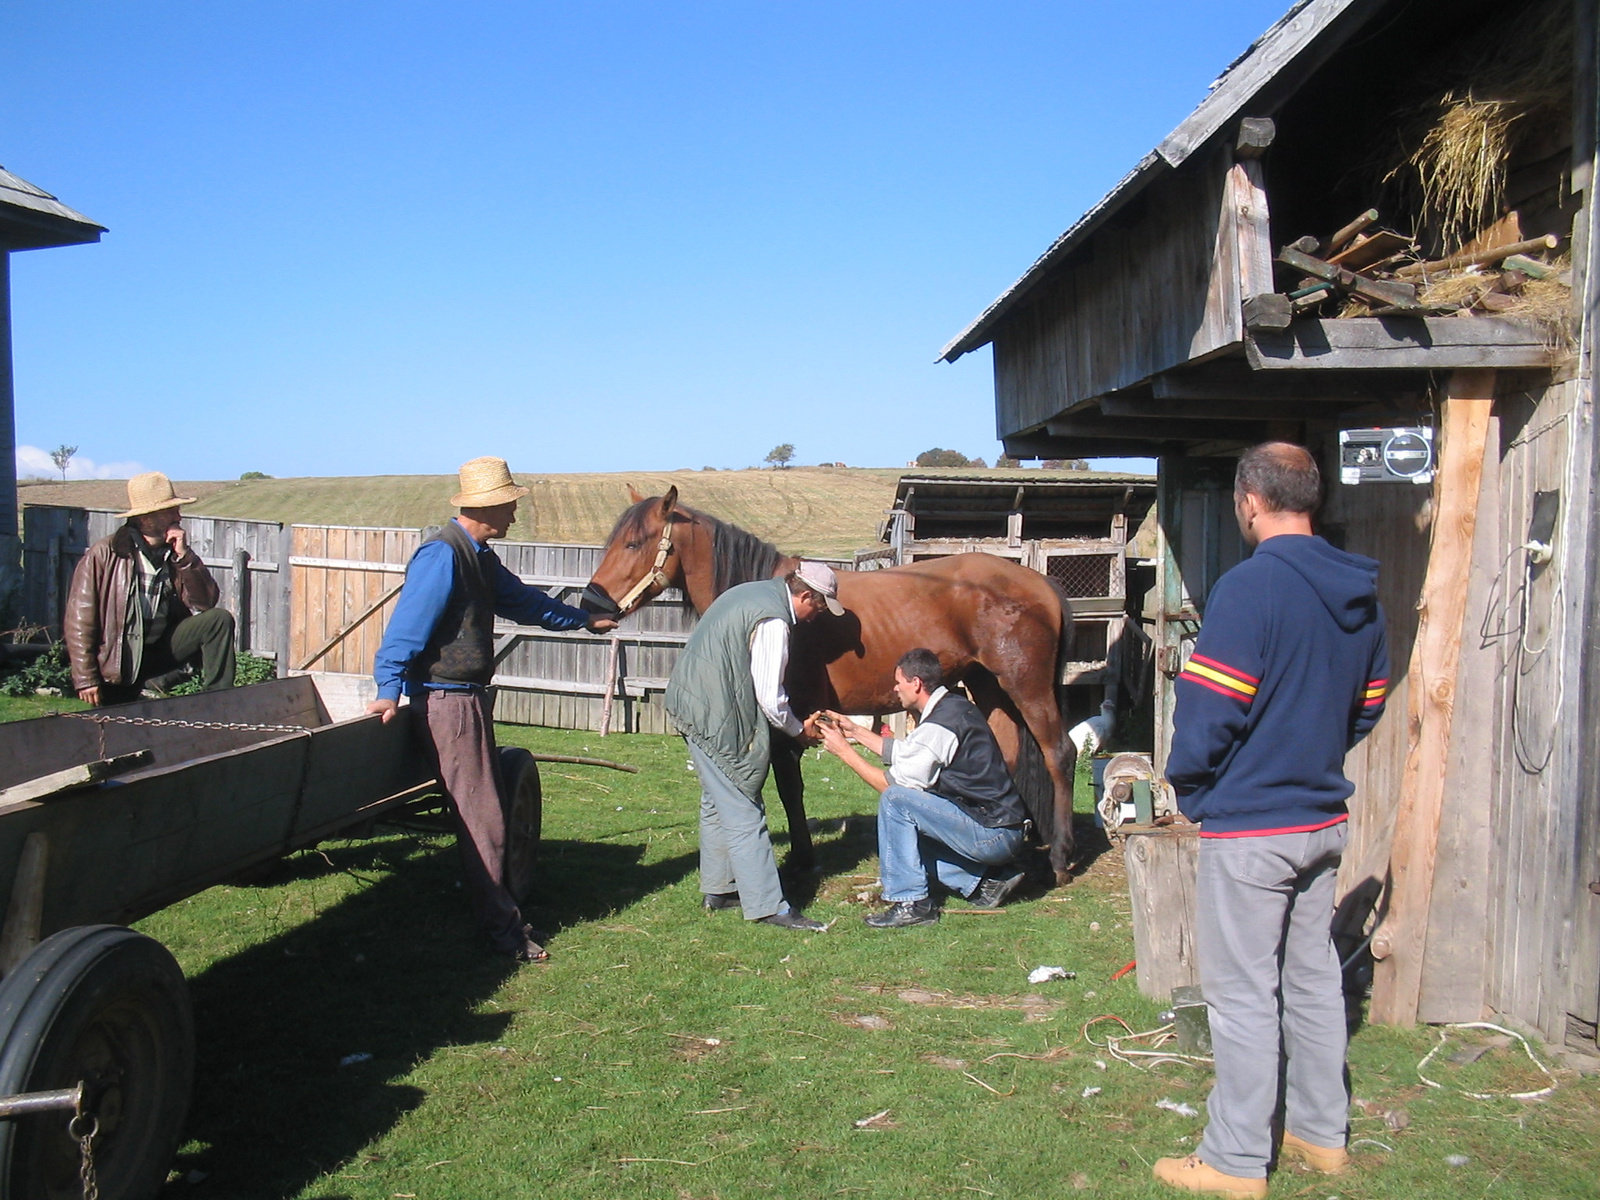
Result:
x=738 y=556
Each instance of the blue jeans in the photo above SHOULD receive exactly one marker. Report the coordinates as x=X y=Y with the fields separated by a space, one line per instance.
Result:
x=919 y=832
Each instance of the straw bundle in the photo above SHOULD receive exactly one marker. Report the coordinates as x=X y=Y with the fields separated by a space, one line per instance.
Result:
x=1455 y=148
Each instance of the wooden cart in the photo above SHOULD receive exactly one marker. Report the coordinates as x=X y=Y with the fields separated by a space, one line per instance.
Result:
x=107 y=816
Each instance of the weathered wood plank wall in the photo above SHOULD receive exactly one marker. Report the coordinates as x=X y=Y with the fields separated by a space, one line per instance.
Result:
x=1161 y=288
x=545 y=677
x=55 y=538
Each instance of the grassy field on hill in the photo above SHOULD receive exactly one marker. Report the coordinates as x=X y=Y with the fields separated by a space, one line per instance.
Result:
x=811 y=510
x=806 y=510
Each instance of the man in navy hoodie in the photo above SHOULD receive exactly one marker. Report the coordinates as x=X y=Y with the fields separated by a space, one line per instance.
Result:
x=1289 y=672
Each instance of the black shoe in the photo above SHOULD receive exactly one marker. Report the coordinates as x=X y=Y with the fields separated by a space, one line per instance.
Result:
x=794 y=920
x=905 y=912
x=994 y=890
x=717 y=901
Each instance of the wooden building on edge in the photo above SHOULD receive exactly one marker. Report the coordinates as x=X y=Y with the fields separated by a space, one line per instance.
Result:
x=1166 y=322
x=30 y=219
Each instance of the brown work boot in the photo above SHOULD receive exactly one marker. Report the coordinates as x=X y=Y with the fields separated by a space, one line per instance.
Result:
x=1328 y=1160
x=1192 y=1175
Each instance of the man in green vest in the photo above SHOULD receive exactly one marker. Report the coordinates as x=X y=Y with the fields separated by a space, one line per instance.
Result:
x=724 y=693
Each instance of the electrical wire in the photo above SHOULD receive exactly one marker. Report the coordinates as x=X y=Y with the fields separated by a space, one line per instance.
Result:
x=1444 y=1036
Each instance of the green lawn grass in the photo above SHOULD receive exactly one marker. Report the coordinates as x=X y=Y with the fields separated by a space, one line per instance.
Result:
x=666 y=1053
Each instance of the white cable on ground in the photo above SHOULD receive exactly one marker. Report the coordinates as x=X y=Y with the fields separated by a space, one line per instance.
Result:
x=1444 y=1036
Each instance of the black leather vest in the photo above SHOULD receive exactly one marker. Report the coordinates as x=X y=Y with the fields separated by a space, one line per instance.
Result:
x=976 y=780
x=461 y=647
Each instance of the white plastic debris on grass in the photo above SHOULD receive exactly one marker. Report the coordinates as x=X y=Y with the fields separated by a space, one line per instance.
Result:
x=1178 y=1106
x=1046 y=974
x=1456 y=1160
x=350 y=1060
x=1090 y=1091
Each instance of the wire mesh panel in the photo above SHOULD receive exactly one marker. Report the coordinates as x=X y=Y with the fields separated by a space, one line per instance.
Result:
x=1081 y=574
x=1089 y=639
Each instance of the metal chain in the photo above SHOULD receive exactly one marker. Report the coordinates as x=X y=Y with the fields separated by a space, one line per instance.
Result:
x=101 y=720
x=83 y=1128
x=106 y=718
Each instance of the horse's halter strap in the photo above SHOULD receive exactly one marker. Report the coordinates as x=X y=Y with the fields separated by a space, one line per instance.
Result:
x=657 y=577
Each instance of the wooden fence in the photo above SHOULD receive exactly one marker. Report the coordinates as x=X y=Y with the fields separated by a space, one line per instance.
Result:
x=346 y=581
x=247 y=559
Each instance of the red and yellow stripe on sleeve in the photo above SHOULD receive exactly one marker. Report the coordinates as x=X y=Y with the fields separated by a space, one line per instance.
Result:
x=1220 y=678
x=1375 y=691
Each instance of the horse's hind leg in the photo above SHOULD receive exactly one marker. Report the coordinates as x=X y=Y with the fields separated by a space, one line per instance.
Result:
x=786 y=756
x=1037 y=705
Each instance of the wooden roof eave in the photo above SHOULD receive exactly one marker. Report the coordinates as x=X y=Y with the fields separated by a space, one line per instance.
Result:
x=1259 y=80
x=33 y=219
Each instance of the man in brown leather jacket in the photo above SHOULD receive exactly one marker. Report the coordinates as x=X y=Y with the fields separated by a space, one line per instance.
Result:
x=143 y=606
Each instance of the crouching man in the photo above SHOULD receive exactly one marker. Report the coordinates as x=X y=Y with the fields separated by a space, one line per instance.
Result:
x=949 y=808
x=142 y=610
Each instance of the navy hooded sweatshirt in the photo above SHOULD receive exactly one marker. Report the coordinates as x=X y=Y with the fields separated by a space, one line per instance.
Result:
x=1290 y=671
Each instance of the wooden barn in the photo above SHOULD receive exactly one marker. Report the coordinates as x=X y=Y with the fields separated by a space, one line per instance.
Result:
x=1375 y=236
x=30 y=219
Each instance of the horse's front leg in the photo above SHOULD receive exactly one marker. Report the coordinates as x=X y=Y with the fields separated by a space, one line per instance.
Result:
x=786 y=756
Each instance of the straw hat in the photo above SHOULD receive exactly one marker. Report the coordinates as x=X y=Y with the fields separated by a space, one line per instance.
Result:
x=152 y=492
x=486 y=482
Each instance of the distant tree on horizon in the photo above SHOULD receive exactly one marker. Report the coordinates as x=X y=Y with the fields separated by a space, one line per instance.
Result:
x=1005 y=460
x=61 y=456
x=943 y=458
x=781 y=455
x=255 y=475
x=1065 y=464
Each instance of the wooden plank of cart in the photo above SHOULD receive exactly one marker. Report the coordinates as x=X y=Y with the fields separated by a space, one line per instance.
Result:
x=109 y=815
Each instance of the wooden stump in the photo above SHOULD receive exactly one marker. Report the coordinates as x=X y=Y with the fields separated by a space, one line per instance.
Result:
x=1162 y=863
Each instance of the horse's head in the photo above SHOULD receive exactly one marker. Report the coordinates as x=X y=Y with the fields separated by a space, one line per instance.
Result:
x=644 y=556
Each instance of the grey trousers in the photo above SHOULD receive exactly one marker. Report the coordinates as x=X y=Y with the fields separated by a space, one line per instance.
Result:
x=1271 y=980
x=735 y=847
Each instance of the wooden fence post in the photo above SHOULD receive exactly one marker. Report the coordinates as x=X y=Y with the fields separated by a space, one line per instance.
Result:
x=53 y=583
x=611 y=685
x=241 y=598
x=1400 y=941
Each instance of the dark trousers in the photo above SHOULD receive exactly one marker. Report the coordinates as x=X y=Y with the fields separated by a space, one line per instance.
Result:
x=458 y=727
x=205 y=639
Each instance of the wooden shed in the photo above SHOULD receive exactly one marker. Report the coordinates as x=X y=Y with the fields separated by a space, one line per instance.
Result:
x=1073 y=526
x=1236 y=286
x=30 y=219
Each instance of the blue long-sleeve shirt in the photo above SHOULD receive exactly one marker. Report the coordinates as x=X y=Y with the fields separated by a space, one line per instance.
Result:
x=1290 y=671
x=430 y=578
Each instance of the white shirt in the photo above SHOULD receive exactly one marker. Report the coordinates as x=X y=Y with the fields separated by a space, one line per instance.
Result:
x=915 y=760
x=769 y=655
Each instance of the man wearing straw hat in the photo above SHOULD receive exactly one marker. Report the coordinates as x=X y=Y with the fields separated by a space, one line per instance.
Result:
x=439 y=650
x=142 y=607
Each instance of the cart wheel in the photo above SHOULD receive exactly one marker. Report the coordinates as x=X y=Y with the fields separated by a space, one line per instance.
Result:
x=109 y=1007
x=523 y=803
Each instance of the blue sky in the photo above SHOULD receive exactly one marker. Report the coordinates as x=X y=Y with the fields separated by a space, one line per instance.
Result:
x=370 y=238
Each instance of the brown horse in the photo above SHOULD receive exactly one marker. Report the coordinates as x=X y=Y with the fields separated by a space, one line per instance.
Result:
x=996 y=626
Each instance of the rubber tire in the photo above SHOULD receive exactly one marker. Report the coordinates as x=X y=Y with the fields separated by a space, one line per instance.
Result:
x=522 y=803
x=108 y=1005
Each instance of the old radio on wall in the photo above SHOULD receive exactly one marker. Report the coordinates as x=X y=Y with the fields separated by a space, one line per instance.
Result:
x=1399 y=454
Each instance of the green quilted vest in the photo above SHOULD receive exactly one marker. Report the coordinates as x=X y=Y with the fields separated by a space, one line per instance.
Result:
x=711 y=697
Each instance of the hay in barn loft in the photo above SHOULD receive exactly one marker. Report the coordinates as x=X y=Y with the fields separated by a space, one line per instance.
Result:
x=1455 y=148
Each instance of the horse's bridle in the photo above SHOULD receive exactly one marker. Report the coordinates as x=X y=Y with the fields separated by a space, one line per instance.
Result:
x=657 y=577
